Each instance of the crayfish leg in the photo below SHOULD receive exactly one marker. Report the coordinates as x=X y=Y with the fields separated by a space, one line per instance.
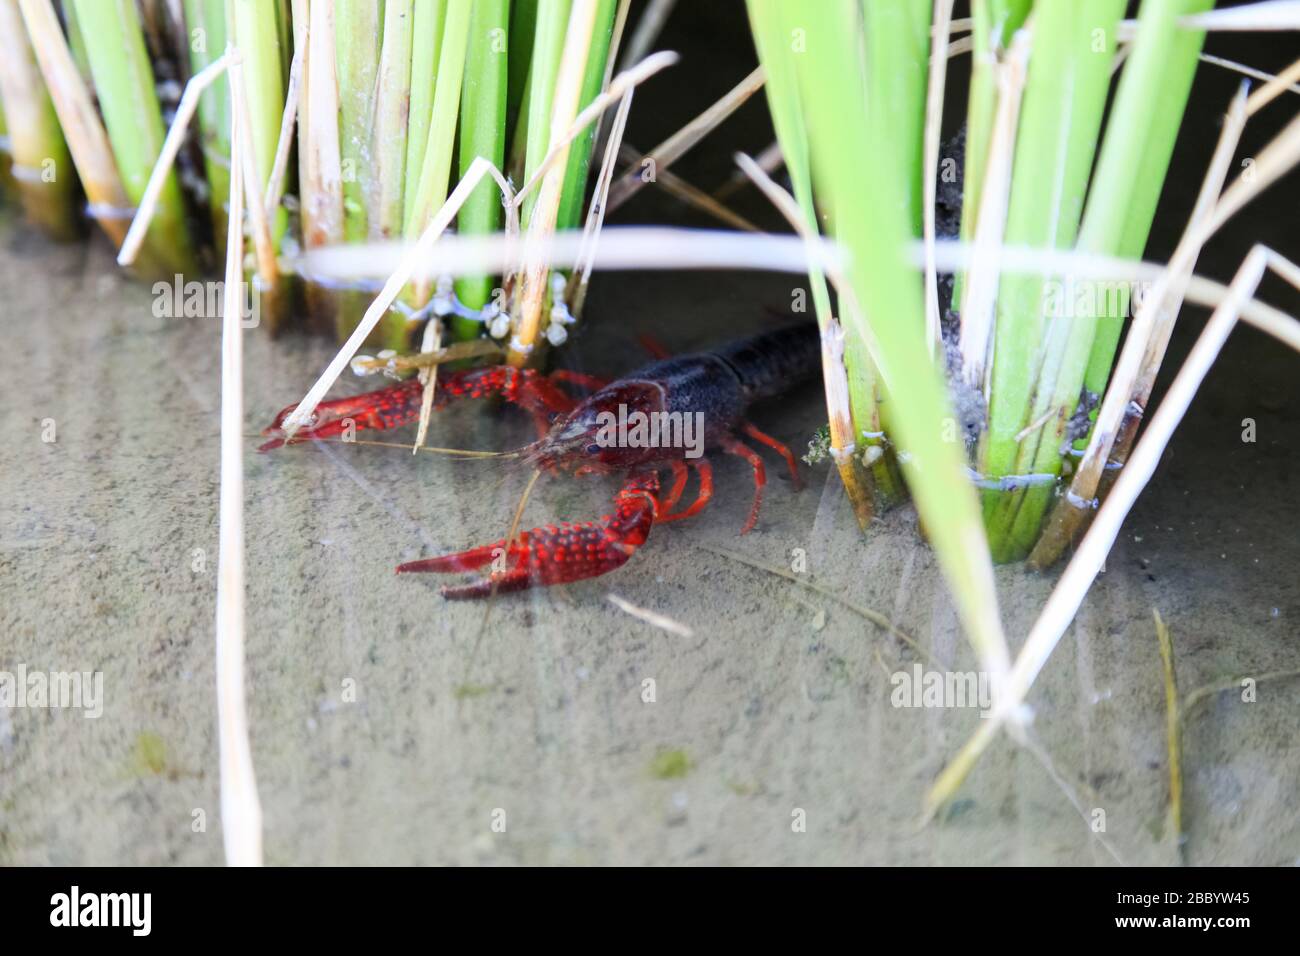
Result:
x=703 y=497
x=399 y=405
x=778 y=447
x=735 y=447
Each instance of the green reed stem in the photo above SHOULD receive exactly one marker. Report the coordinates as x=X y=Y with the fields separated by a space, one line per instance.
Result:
x=1144 y=125
x=426 y=43
x=431 y=191
x=356 y=39
x=388 y=143
x=41 y=164
x=994 y=22
x=573 y=196
x=548 y=47
x=205 y=22
x=1065 y=95
x=124 y=84
x=482 y=133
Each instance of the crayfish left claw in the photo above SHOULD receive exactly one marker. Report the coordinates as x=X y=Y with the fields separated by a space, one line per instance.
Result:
x=555 y=554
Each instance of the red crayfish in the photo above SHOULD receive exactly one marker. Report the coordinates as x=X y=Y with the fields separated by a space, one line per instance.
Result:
x=697 y=400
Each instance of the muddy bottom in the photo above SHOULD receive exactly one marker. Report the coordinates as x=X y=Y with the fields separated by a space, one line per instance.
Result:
x=391 y=726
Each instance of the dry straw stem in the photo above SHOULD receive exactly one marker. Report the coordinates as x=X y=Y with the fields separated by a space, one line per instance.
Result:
x=1273 y=88
x=671 y=183
x=1083 y=568
x=259 y=226
x=577 y=291
x=541 y=226
x=620 y=85
x=280 y=166
x=650 y=248
x=648 y=28
x=1269 y=15
x=834 y=374
x=769 y=160
x=1134 y=375
x=185 y=111
x=1253 y=73
x=321 y=186
x=875 y=617
x=1172 y=725
x=660 y=621
x=930 y=162
x=431 y=344
x=671 y=149
x=981 y=286
x=82 y=128
x=664 y=248
x=241 y=810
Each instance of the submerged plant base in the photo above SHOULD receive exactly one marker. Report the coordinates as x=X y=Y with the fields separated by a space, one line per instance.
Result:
x=50 y=207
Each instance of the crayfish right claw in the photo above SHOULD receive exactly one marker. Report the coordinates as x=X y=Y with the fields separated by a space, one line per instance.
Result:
x=555 y=554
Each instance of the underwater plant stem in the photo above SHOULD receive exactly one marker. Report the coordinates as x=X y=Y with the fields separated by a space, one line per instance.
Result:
x=124 y=82
x=320 y=182
x=993 y=24
x=84 y=132
x=550 y=23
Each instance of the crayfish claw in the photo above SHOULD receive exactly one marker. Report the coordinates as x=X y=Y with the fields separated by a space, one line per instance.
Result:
x=555 y=554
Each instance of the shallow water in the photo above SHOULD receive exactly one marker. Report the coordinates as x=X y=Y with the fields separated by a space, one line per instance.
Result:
x=778 y=703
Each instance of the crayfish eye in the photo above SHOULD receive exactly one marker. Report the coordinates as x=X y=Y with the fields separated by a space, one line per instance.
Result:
x=593 y=449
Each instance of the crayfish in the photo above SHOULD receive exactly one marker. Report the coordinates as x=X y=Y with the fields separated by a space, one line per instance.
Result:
x=592 y=435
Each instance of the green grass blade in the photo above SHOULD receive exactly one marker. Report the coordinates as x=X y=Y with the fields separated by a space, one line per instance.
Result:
x=873 y=225
x=1148 y=113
